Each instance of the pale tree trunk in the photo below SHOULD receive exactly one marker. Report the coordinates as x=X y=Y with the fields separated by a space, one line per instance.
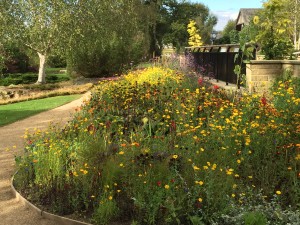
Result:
x=42 y=74
x=295 y=34
x=295 y=25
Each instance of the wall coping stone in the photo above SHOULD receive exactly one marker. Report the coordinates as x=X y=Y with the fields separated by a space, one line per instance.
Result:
x=295 y=62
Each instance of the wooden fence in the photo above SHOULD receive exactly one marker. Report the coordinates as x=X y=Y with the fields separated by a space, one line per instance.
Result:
x=217 y=61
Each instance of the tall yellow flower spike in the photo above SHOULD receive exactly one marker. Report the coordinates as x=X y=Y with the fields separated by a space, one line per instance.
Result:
x=195 y=38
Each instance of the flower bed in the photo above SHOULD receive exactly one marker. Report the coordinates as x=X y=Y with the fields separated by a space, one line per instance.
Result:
x=160 y=148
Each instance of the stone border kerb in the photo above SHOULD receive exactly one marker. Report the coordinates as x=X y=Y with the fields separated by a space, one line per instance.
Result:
x=59 y=219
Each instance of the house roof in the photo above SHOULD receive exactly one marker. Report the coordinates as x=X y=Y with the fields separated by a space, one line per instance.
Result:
x=245 y=15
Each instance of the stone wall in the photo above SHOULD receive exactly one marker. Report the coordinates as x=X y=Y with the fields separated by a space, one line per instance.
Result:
x=260 y=74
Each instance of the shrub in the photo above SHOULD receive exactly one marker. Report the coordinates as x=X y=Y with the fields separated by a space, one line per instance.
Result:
x=15 y=59
x=91 y=60
x=30 y=78
x=255 y=218
x=56 y=61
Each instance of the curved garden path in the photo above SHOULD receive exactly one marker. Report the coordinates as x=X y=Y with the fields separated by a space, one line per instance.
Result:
x=13 y=212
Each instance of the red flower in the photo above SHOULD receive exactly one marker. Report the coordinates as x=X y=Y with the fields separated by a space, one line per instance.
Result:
x=173 y=125
x=158 y=183
x=198 y=205
x=263 y=100
x=216 y=87
x=200 y=81
x=91 y=128
x=107 y=124
x=172 y=180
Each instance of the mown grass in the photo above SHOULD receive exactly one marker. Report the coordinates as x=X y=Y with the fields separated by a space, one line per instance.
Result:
x=17 y=111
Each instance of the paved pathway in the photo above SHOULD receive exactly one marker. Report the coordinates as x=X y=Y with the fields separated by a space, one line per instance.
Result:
x=13 y=212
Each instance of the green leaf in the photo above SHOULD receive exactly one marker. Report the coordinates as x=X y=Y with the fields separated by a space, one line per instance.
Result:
x=237 y=69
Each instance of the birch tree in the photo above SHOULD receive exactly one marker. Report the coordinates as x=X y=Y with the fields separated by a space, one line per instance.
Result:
x=293 y=7
x=40 y=25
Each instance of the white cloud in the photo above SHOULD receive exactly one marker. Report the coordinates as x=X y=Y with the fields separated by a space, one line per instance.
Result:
x=223 y=17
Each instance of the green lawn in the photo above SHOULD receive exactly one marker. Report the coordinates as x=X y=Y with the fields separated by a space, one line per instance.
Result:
x=17 y=111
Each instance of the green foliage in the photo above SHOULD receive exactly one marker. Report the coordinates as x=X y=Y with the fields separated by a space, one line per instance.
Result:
x=276 y=47
x=229 y=34
x=2 y=60
x=230 y=26
x=246 y=52
x=14 y=59
x=105 y=212
x=256 y=209
x=30 y=78
x=57 y=61
x=108 y=47
x=222 y=40
x=172 y=20
x=255 y=218
x=38 y=25
x=274 y=30
x=234 y=37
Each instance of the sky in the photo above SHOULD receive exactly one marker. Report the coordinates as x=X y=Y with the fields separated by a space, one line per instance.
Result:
x=228 y=9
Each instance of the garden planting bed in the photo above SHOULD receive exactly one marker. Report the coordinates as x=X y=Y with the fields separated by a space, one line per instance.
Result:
x=18 y=93
x=158 y=147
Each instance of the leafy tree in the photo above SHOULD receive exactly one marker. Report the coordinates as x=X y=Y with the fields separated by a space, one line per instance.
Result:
x=110 y=35
x=234 y=37
x=229 y=34
x=230 y=26
x=206 y=24
x=36 y=24
x=15 y=59
x=293 y=9
x=157 y=24
x=172 y=20
x=274 y=30
x=2 y=60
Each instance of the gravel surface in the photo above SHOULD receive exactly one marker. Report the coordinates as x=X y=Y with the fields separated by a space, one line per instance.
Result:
x=13 y=212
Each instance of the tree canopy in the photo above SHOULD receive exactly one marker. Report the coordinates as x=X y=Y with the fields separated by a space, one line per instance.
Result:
x=229 y=34
x=275 y=29
x=110 y=35
x=174 y=16
x=101 y=37
x=39 y=25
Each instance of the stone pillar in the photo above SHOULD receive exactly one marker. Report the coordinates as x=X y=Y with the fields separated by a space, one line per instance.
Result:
x=260 y=74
